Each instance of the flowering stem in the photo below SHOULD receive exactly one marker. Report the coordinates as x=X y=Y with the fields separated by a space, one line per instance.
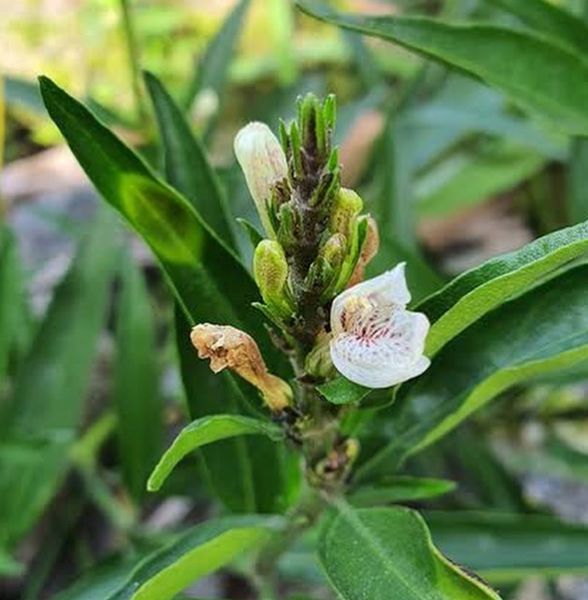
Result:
x=300 y=518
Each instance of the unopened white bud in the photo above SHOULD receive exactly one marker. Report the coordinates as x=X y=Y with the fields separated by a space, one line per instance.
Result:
x=264 y=164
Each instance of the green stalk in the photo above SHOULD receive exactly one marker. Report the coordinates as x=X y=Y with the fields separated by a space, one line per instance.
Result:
x=134 y=61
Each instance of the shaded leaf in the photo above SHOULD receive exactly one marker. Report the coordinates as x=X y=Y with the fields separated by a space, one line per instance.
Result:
x=50 y=386
x=137 y=398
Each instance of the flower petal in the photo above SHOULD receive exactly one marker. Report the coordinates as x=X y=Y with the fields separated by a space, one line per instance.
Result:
x=387 y=289
x=392 y=355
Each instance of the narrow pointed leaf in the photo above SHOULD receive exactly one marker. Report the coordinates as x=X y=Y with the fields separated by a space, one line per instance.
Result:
x=516 y=62
x=186 y=167
x=392 y=550
x=471 y=295
x=206 y=431
x=137 y=397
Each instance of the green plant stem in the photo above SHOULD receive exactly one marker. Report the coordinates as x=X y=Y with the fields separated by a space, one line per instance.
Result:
x=300 y=518
x=134 y=61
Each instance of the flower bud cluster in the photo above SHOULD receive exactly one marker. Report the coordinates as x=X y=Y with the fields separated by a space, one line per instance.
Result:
x=315 y=228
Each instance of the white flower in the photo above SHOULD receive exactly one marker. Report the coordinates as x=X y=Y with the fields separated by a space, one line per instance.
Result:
x=376 y=342
x=263 y=162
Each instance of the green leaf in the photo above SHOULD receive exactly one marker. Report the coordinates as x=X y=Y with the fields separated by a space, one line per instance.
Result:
x=465 y=178
x=505 y=548
x=550 y=20
x=201 y=550
x=543 y=331
x=213 y=68
x=50 y=386
x=186 y=166
x=208 y=280
x=473 y=294
x=137 y=398
x=205 y=431
x=401 y=489
x=392 y=550
x=517 y=62
x=343 y=391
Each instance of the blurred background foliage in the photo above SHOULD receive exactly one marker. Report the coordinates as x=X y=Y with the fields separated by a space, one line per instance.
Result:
x=452 y=169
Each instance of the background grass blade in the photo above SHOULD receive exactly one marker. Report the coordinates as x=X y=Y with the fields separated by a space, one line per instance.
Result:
x=50 y=387
x=212 y=71
x=137 y=397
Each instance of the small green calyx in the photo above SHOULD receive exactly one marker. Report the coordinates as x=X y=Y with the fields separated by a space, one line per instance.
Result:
x=270 y=270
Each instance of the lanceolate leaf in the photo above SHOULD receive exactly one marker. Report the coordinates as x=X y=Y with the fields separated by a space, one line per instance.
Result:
x=543 y=331
x=209 y=282
x=506 y=548
x=136 y=383
x=200 y=551
x=471 y=295
x=186 y=166
x=384 y=553
x=517 y=62
x=205 y=431
x=551 y=20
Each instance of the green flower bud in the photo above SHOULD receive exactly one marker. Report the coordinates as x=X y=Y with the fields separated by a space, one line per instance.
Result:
x=345 y=209
x=270 y=270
